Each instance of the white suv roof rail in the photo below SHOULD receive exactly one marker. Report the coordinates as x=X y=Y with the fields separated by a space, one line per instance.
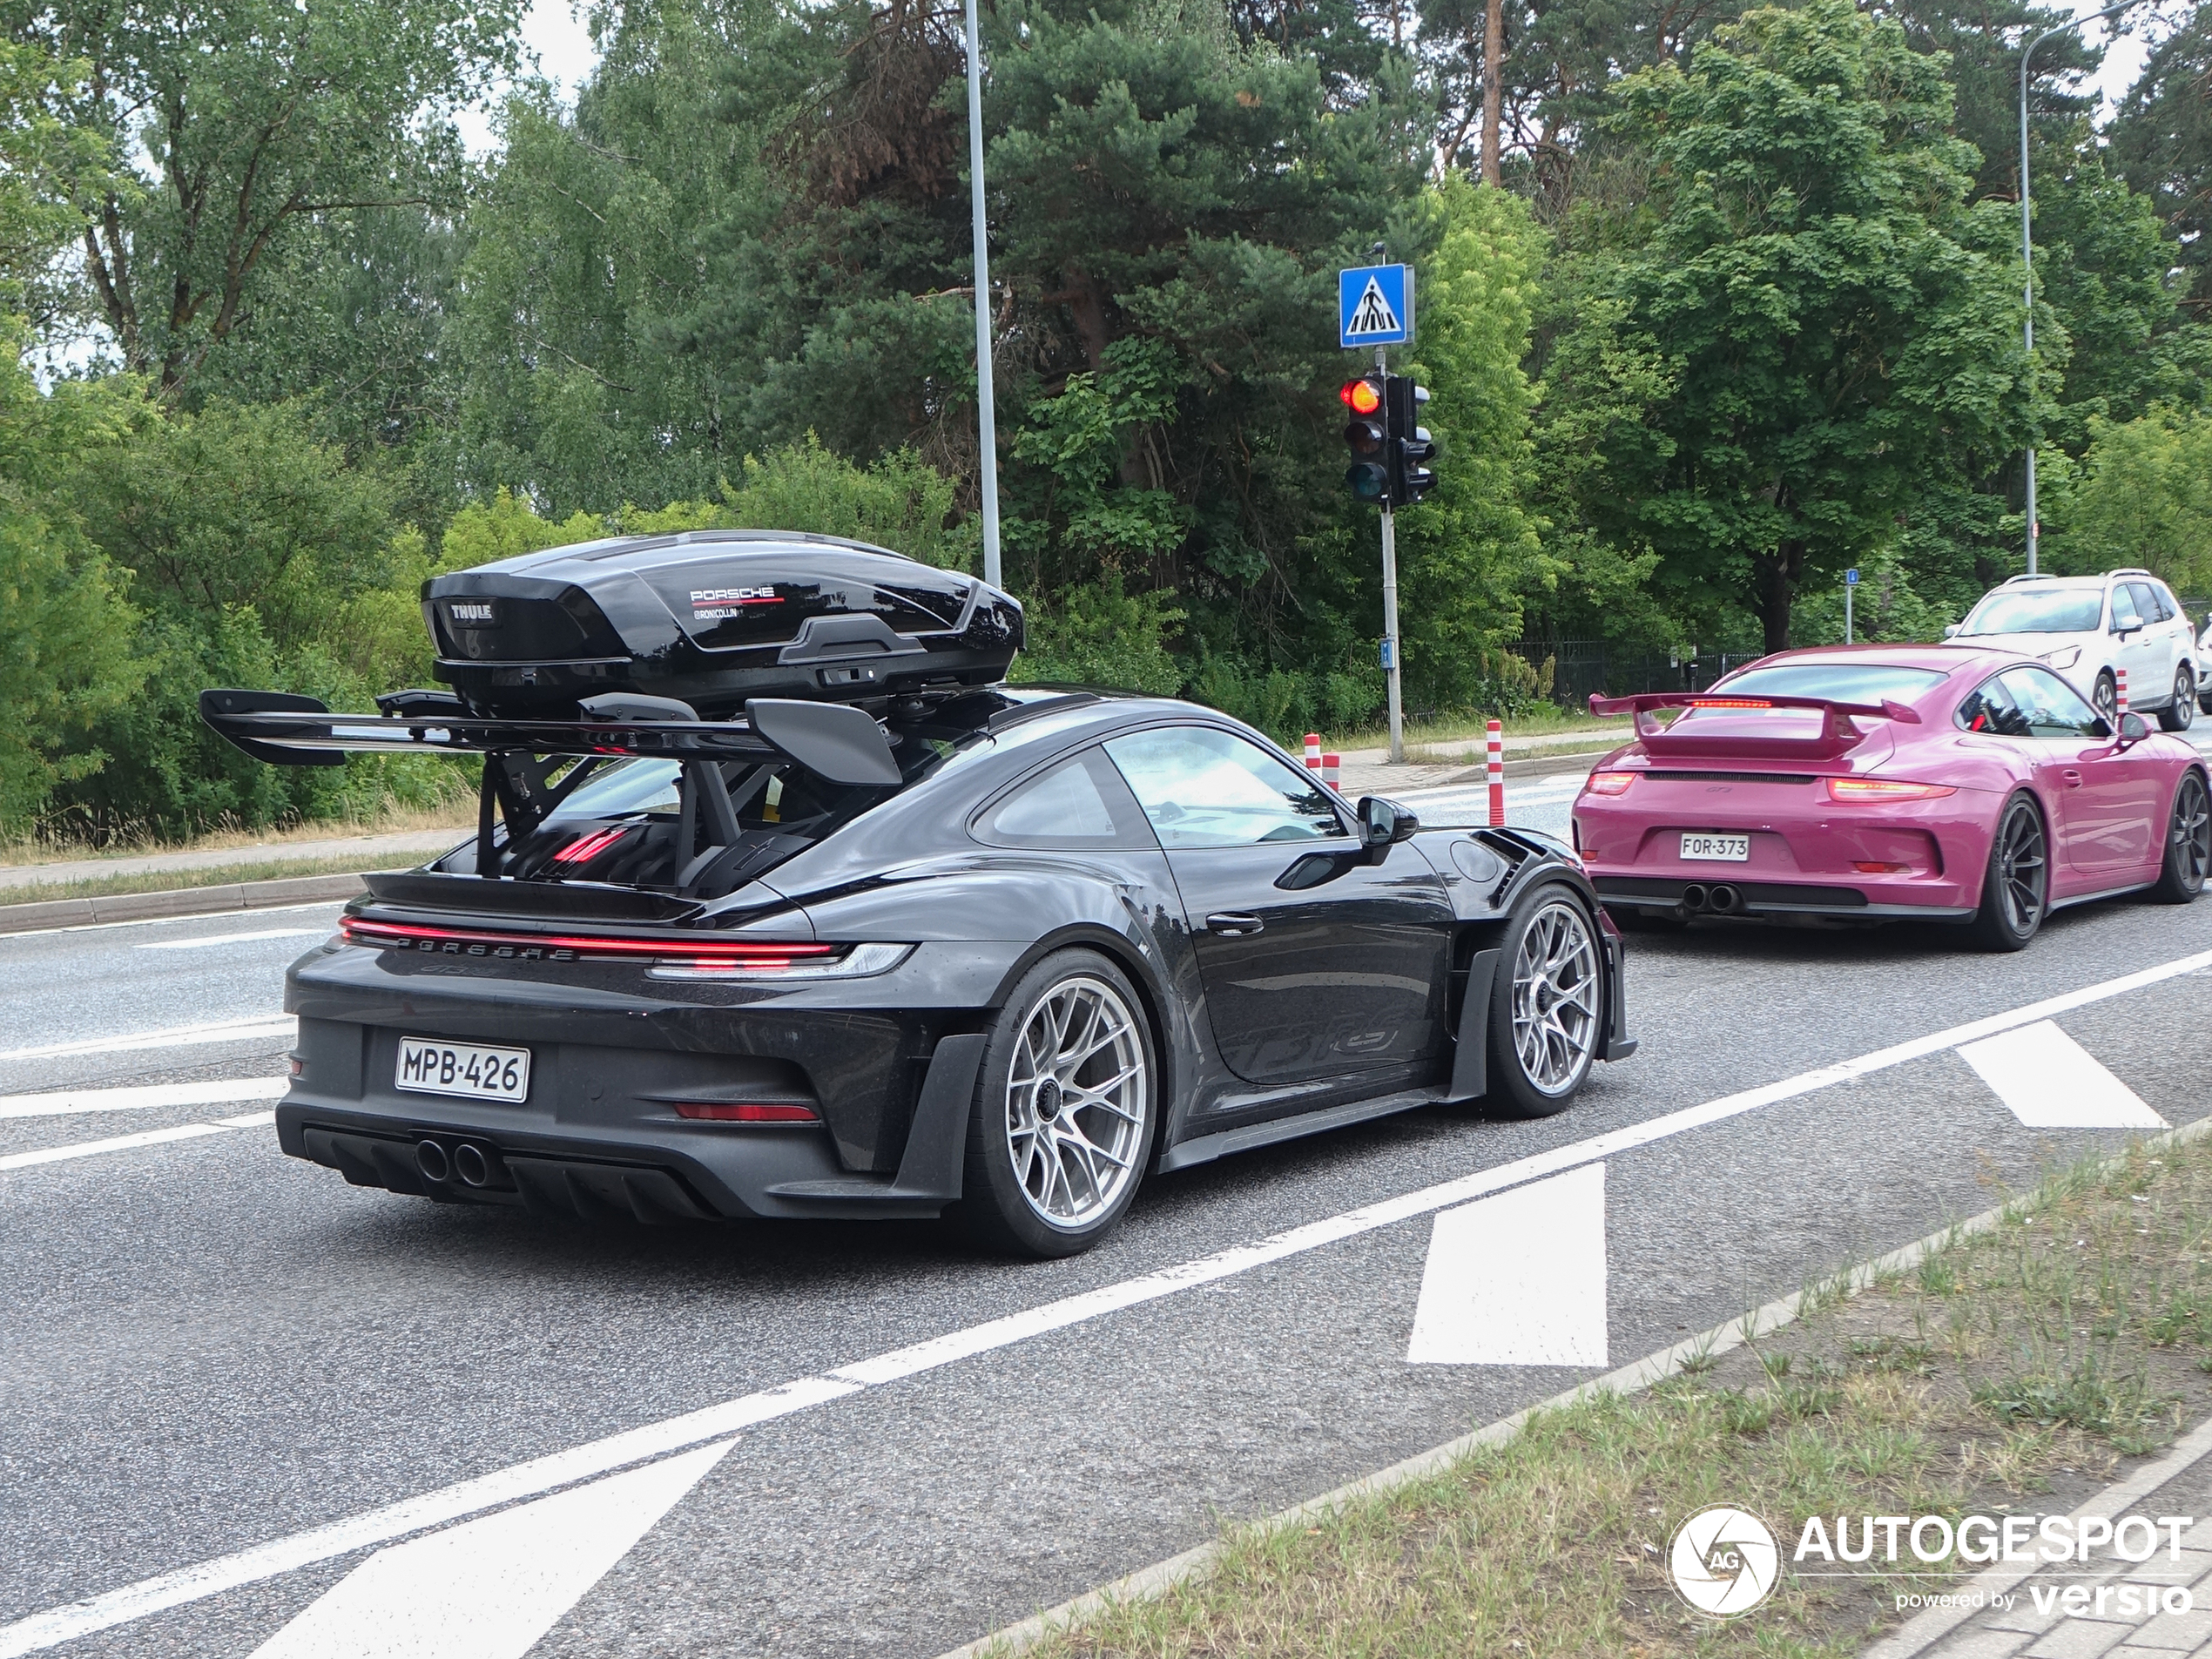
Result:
x=2131 y=570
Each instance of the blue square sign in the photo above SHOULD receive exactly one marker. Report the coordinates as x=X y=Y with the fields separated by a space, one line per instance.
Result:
x=1375 y=305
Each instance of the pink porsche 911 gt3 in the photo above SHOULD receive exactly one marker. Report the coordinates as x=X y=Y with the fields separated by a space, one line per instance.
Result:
x=1875 y=783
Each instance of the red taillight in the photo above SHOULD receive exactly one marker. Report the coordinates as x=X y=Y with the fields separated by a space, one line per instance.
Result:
x=763 y=954
x=746 y=1112
x=1875 y=866
x=1609 y=783
x=1865 y=792
x=589 y=847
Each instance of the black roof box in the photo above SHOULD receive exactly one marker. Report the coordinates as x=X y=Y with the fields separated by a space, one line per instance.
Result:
x=713 y=617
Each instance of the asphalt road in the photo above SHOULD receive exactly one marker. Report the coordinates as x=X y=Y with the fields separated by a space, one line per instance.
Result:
x=848 y=1440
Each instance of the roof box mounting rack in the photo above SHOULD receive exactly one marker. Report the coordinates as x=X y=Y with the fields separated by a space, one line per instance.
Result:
x=713 y=618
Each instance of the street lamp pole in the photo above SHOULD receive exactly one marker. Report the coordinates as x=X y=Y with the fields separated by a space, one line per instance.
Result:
x=2027 y=262
x=986 y=412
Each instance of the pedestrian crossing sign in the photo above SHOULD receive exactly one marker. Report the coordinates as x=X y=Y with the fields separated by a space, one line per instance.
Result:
x=1375 y=305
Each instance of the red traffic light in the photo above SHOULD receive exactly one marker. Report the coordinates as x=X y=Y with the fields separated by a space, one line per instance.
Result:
x=1362 y=396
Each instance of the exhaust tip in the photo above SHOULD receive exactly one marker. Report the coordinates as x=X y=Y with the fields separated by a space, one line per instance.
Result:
x=1694 y=896
x=1723 y=899
x=430 y=1158
x=471 y=1165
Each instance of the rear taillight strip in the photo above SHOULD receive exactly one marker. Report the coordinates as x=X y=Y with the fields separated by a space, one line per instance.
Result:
x=570 y=946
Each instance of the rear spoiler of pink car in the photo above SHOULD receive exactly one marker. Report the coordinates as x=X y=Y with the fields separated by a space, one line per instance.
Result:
x=1837 y=736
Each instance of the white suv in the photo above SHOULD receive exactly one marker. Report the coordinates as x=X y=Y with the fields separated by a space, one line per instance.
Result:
x=2089 y=628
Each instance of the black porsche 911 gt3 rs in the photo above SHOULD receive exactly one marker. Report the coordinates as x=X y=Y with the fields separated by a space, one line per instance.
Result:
x=992 y=951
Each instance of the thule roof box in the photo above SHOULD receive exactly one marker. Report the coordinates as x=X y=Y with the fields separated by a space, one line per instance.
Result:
x=713 y=618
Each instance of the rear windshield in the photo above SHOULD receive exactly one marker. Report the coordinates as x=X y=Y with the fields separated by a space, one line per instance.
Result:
x=622 y=822
x=2038 y=610
x=1838 y=682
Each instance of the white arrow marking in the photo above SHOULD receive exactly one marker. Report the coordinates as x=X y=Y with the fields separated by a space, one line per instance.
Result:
x=2051 y=1082
x=489 y=1588
x=1518 y=1279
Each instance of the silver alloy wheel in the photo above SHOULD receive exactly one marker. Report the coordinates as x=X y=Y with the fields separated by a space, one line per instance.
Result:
x=2184 y=707
x=2105 y=696
x=1077 y=1095
x=1555 y=998
x=2021 y=872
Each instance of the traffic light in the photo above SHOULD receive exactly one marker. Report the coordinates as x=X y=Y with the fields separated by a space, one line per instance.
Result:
x=1368 y=435
x=1410 y=445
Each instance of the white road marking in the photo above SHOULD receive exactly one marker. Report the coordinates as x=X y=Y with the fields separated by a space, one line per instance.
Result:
x=2051 y=1082
x=119 y=1143
x=491 y=1588
x=1518 y=1279
x=253 y=1028
x=154 y=921
x=231 y=939
x=249 y=1120
x=56 y=1625
x=67 y=1102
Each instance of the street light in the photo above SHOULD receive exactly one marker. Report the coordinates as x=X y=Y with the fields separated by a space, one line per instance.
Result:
x=2027 y=257
x=986 y=413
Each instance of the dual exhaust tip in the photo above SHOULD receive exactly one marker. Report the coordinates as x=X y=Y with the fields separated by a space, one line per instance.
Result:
x=468 y=1163
x=1720 y=899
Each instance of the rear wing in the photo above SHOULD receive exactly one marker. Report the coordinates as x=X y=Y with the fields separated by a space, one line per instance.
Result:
x=1837 y=736
x=837 y=742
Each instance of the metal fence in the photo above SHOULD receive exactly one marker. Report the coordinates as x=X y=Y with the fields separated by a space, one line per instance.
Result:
x=1581 y=667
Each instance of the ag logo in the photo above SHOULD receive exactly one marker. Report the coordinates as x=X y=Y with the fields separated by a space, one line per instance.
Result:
x=1724 y=1561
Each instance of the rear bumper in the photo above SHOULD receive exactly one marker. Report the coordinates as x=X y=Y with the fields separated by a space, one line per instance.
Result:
x=644 y=1163
x=1676 y=896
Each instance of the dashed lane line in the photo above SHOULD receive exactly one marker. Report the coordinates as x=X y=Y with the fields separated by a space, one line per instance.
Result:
x=651 y=1440
x=71 y=1103
x=253 y=1028
x=126 y=1143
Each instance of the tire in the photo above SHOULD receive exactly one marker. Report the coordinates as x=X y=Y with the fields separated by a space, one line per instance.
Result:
x=2105 y=697
x=1547 y=1003
x=2188 y=842
x=1044 y=1178
x=2204 y=703
x=2016 y=887
x=2180 y=714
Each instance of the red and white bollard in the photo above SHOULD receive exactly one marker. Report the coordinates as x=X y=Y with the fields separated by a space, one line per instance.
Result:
x=1329 y=770
x=1313 y=751
x=2119 y=692
x=1497 y=738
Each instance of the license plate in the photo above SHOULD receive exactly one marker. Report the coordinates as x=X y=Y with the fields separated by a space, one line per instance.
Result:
x=1733 y=848
x=469 y=1069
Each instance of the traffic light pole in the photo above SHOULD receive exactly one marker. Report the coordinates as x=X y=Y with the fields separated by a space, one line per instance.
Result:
x=1390 y=608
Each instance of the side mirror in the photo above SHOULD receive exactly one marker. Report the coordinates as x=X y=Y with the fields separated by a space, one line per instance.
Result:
x=1950 y=631
x=2132 y=730
x=1383 y=824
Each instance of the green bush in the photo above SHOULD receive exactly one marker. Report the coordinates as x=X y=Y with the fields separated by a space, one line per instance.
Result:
x=1099 y=634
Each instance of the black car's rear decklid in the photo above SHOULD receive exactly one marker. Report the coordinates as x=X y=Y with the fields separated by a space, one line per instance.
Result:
x=568 y=903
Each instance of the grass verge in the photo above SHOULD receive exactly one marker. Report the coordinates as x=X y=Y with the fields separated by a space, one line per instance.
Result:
x=2015 y=1370
x=458 y=816
x=214 y=875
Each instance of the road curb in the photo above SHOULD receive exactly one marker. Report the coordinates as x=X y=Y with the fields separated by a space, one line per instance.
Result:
x=176 y=901
x=1631 y=1379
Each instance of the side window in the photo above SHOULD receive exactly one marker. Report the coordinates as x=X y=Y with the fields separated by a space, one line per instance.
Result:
x=2151 y=602
x=2048 y=705
x=1204 y=787
x=1990 y=709
x=1080 y=802
x=2124 y=614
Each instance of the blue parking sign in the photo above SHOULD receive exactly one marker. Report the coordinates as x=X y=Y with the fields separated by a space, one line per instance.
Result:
x=1375 y=305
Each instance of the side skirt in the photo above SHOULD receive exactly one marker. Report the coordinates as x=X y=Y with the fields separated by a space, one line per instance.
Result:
x=1206 y=1148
